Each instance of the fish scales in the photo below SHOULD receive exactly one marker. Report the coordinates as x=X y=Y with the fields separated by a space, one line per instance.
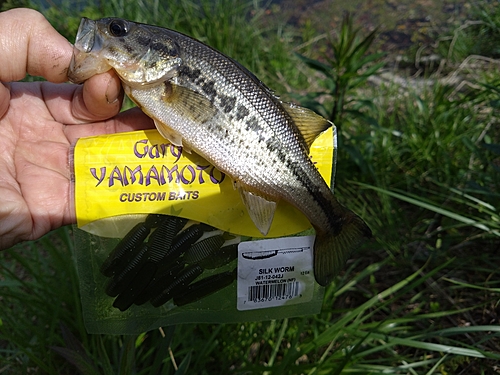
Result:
x=271 y=129
x=209 y=103
x=262 y=166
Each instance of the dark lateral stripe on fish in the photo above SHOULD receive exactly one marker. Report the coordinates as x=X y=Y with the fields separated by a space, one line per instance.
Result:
x=192 y=74
x=334 y=221
x=209 y=89
x=272 y=144
x=227 y=103
x=325 y=205
x=241 y=112
x=253 y=125
x=196 y=77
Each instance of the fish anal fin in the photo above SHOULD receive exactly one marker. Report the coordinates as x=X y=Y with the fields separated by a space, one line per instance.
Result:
x=189 y=104
x=309 y=123
x=260 y=209
x=331 y=251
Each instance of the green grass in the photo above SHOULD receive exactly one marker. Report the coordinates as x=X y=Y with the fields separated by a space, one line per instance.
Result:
x=422 y=166
x=475 y=35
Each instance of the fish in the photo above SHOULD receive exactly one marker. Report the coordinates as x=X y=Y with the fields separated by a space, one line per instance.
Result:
x=210 y=104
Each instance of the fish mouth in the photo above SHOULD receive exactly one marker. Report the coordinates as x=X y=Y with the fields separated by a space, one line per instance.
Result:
x=86 y=60
x=85 y=37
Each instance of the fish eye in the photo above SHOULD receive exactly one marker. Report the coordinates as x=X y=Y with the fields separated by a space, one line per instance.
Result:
x=118 y=28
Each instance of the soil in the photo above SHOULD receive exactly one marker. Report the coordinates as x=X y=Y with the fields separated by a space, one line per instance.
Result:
x=404 y=25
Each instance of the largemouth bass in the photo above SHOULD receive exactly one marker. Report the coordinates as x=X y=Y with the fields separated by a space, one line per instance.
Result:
x=206 y=102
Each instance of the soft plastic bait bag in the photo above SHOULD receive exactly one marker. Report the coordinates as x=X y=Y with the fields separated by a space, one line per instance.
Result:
x=138 y=201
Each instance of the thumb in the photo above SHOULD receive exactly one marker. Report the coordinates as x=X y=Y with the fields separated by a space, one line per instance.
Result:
x=100 y=97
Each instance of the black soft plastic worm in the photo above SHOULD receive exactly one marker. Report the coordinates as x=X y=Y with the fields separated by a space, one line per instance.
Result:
x=160 y=241
x=121 y=279
x=178 y=285
x=183 y=241
x=163 y=276
x=125 y=249
x=204 y=287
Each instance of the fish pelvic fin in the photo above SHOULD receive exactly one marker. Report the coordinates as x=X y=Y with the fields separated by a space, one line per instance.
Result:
x=166 y=132
x=331 y=250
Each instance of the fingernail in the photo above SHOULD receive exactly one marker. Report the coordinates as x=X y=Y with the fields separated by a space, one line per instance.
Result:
x=113 y=91
x=4 y=99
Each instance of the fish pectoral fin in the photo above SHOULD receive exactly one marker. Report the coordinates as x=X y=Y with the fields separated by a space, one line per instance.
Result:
x=189 y=104
x=310 y=124
x=260 y=209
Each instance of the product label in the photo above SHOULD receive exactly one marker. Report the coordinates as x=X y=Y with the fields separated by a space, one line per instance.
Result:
x=141 y=172
x=275 y=272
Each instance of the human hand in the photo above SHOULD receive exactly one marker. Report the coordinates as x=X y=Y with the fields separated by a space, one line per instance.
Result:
x=39 y=121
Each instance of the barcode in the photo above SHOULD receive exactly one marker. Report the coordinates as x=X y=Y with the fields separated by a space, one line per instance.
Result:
x=269 y=292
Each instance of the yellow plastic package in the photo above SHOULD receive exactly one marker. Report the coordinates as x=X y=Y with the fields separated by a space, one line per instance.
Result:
x=138 y=201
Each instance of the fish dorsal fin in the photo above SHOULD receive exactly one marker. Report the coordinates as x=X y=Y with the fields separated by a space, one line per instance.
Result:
x=309 y=123
x=260 y=209
x=188 y=103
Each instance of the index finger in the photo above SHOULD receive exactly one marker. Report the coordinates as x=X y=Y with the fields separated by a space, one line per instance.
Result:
x=29 y=44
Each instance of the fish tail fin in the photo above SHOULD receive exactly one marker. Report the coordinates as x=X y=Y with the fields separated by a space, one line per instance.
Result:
x=332 y=249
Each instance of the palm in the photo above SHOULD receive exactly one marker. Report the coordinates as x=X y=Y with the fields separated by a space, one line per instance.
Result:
x=36 y=133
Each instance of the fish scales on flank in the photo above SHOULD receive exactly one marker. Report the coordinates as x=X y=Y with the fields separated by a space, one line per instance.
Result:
x=206 y=102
